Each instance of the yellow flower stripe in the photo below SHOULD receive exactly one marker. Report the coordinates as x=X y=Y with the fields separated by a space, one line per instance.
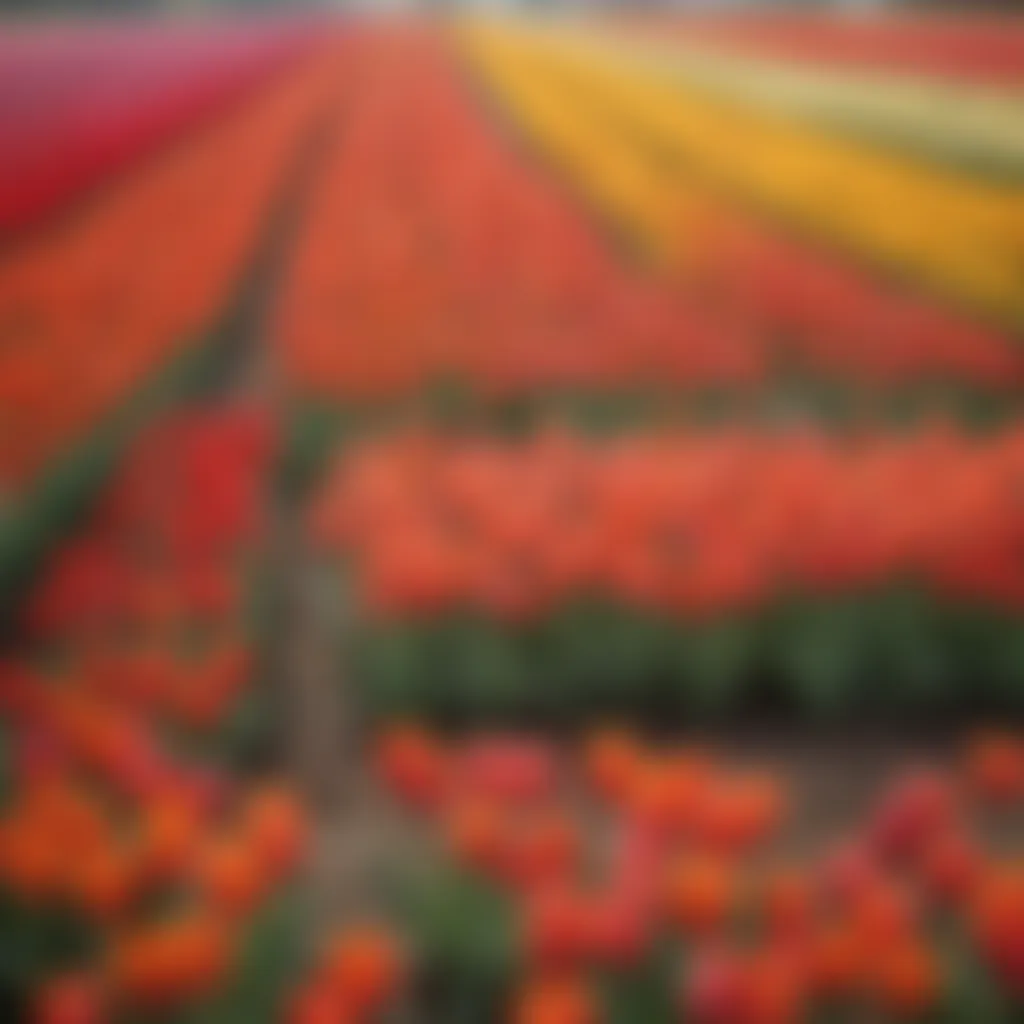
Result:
x=981 y=126
x=590 y=107
x=617 y=180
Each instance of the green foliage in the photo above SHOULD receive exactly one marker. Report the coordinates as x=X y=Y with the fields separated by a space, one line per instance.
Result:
x=44 y=515
x=269 y=966
x=879 y=654
x=465 y=934
x=36 y=943
x=644 y=994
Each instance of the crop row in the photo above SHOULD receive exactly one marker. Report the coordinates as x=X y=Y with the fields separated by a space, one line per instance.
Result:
x=661 y=883
x=87 y=102
x=944 y=230
x=92 y=308
x=144 y=867
x=441 y=253
x=686 y=571
x=974 y=49
x=427 y=236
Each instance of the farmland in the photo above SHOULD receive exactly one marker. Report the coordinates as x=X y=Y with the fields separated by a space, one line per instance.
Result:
x=512 y=519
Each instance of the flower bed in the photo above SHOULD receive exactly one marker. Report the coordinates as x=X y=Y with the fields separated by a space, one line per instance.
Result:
x=94 y=307
x=986 y=48
x=657 y=883
x=89 y=100
x=474 y=287
x=444 y=251
x=145 y=855
x=683 y=572
x=103 y=326
x=649 y=137
x=968 y=128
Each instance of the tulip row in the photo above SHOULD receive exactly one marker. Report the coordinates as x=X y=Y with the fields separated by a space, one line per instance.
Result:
x=427 y=234
x=144 y=871
x=663 y=883
x=973 y=129
x=665 y=570
x=987 y=49
x=92 y=307
x=441 y=252
x=959 y=237
x=92 y=101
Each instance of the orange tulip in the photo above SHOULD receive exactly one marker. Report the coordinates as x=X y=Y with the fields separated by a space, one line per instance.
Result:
x=699 y=895
x=276 y=824
x=231 y=874
x=611 y=759
x=995 y=766
x=908 y=980
x=70 y=999
x=363 y=966
x=556 y=1001
x=173 y=962
x=413 y=764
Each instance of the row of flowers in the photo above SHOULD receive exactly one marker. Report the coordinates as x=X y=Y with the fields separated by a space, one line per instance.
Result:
x=93 y=100
x=95 y=305
x=682 y=570
x=950 y=233
x=441 y=252
x=986 y=49
x=699 y=525
x=949 y=122
x=638 y=881
x=143 y=866
x=426 y=235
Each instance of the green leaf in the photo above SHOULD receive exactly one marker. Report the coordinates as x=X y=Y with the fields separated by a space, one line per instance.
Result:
x=646 y=994
x=392 y=664
x=713 y=662
x=465 y=933
x=269 y=965
x=970 y=992
x=489 y=670
x=908 y=649
x=820 y=656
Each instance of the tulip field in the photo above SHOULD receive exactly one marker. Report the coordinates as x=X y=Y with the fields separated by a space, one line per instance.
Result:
x=512 y=519
x=101 y=96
